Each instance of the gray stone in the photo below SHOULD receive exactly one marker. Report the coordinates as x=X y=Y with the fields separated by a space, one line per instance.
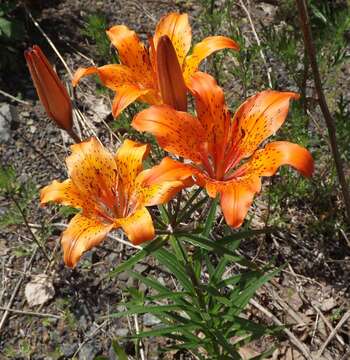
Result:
x=68 y=350
x=122 y=332
x=123 y=276
x=150 y=320
x=328 y=304
x=89 y=351
x=142 y=287
x=140 y=268
x=83 y=323
x=5 y=122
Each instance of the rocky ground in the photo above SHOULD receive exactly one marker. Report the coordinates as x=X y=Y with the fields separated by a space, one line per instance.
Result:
x=48 y=311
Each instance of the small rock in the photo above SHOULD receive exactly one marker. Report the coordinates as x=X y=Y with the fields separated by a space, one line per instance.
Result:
x=32 y=129
x=131 y=282
x=328 y=304
x=3 y=247
x=89 y=351
x=123 y=276
x=161 y=281
x=122 y=332
x=150 y=320
x=142 y=287
x=26 y=114
x=39 y=290
x=140 y=268
x=5 y=122
x=82 y=322
x=68 y=350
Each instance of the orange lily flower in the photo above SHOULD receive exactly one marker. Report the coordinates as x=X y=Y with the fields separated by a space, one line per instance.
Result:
x=112 y=192
x=224 y=152
x=52 y=93
x=137 y=77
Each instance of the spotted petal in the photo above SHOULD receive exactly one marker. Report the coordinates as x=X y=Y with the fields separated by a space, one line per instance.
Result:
x=176 y=131
x=237 y=194
x=138 y=226
x=177 y=28
x=112 y=76
x=203 y=49
x=258 y=118
x=65 y=193
x=81 y=235
x=132 y=53
x=160 y=184
x=129 y=158
x=93 y=171
x=125 y=95
x=212 y=112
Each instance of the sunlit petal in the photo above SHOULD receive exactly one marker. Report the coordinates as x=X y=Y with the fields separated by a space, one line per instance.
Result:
x=260 y=117
x=129 y=160
x=237 y=197
x=138 y=226
x=160 y=184
x=203 y=49
x=132 y=53
x=176 y=26
x=93 y=171
x=112 y=76
x=65 y=193
x=81 y=235
x=176 y=131
x=265 y=162
x=212 y=112
x=125 y=95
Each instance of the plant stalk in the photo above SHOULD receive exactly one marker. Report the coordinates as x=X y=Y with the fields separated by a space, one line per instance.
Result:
x=24 y=217
x=330 y=123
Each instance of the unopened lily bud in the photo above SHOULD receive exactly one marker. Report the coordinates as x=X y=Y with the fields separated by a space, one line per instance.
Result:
x=52 y=93
x=170 y=79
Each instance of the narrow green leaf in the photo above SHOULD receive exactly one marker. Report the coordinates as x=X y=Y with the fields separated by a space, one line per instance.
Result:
x=175 y=267
x=211 y=217
x=142 y=309
x=147 y=250
x=119 y=351
x=166 y=330
x=240 y=235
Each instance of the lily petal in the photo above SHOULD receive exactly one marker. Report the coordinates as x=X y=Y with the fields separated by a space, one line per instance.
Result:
x=160 y=184
x=132 y=53
x=176 y=131
x=81 y=235
x=125 y=95
x=129 y=160
x=138 y=226
x=260 y=117
x=177 y=27
x=237 y=194
x=93 y=171
x=265 y=162
x=65 y=193
x=212 y=112
x=112 y=76
x=203 y=49
x=237 y=197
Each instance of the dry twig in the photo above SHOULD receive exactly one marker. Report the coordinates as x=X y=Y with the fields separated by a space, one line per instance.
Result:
x=15 y=290
x=334 y=332
x=268 y=70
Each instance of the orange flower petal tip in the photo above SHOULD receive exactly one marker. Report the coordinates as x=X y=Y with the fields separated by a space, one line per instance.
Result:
x=52 y=93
